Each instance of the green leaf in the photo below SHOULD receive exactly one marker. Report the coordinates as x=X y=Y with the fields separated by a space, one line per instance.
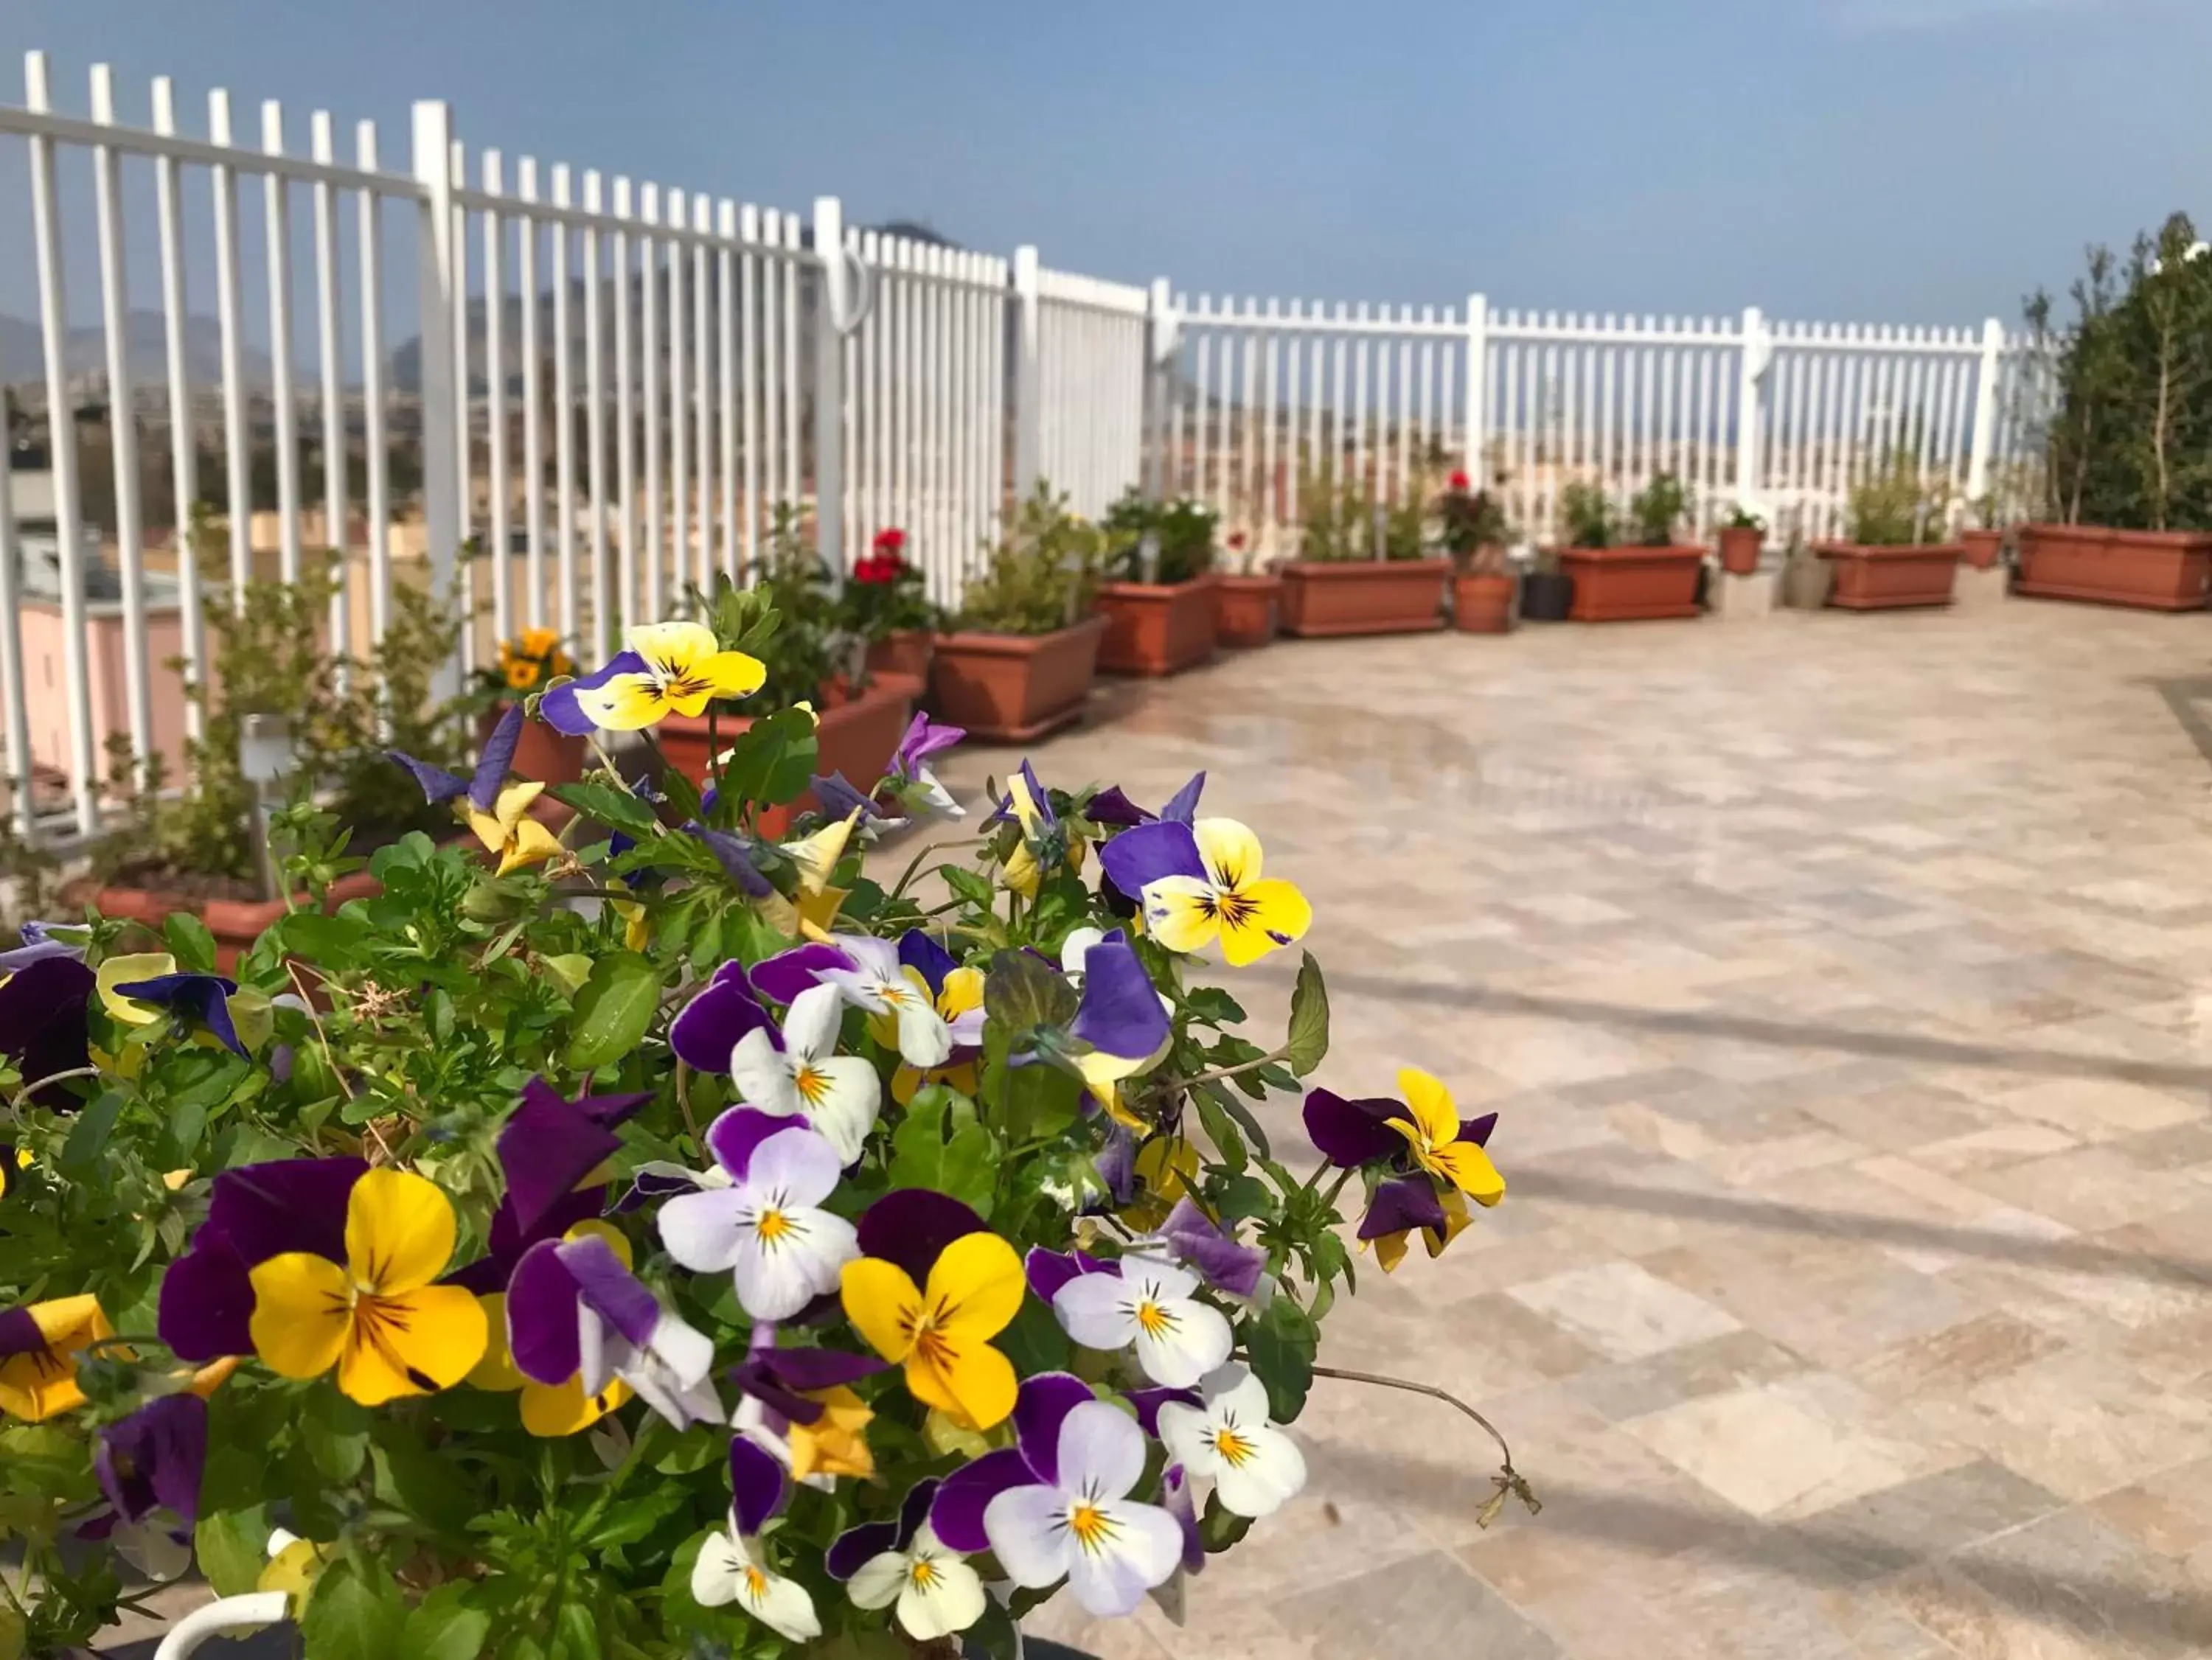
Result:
x=190 y=943
x=1220 y=1529
x=335 y=1433
x=1282 y=1344
x=1211 y=1006
x=934 y=1147
x=604 y=804
x=1243 y=1114
x=568 y=971
x=1308 y=1036
x=1035 y=1341
x=613 y=1011
x=354 y=1613
x=87 y=1136
x=433 y=1489
x=327 y=941
x=443 y=1627
x=967 y=885
x=1221 y=1129
x=233 y=1547
x=1023 y=993
x=771 y=760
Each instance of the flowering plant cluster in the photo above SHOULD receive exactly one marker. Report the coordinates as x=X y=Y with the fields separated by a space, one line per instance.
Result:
x=662 y=1240
x=885 y=594
x=528 y=661
x=1474 y=526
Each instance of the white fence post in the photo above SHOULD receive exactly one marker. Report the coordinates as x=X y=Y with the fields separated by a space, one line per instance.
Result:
x=1160 y=342
x=1751 y=358
x=440 y=412
x=1985 y=411
x=1029 y=383
x=1478 y=404
x=830 y=315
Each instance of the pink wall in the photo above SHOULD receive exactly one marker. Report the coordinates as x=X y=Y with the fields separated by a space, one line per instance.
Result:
x=46 y=683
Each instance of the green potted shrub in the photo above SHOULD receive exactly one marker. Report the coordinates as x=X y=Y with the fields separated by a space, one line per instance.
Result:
x=1362 y=568
x=2127 y=499
x=1651 y=575
x=1158 y=599
x=1896 y=555
x=805 y=635
x=1743 y=539
x=1475 y=534
x=282 y=721
x=1022 y=652
x=887 y=605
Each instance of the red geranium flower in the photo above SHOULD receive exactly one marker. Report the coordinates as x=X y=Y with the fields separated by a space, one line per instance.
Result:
x=880 y=569
x=1459 y=482
x=891 y=540
x=1236 y=539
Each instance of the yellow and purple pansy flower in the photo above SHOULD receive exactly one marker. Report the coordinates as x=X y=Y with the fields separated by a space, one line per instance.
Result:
x=1201 y=881
x=1434 y=1161
x=40 y=1344
x=665 y=669
x=498 y=812
x=932 y=1290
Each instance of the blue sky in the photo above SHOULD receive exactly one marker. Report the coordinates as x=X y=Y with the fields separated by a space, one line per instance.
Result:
x=1847 y=160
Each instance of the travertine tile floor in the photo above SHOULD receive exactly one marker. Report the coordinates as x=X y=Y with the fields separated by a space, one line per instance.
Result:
x=1844 y=985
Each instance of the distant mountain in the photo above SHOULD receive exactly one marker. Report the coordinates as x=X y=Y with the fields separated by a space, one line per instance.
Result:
x=23 y=351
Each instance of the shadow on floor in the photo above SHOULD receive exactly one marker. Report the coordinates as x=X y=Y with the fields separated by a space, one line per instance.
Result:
x=2065 y=1256
x=1782 y=1034
x=1826 y=1553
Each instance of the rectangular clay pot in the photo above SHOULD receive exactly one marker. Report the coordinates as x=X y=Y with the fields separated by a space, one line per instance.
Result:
x=855 y=736
x=2148 y=570
x=1156 y=628
x=1890 y=578
x=542 y=752
x=1247 y=610
x=1323 y=597
x=235 y=923
x=1630 y=584
x=903 y=651
x=1010 y=688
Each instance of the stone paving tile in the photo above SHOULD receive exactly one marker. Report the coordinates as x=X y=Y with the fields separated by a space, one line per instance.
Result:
x=1842 y=984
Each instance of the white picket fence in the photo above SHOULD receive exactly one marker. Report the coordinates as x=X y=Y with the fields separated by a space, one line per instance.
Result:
x=614 y=383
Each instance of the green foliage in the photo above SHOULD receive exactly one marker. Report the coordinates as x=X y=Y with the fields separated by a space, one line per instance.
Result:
x=1741 y=518
x=1338 y=524
x=1899 y=506
x=1586 y=515
x=2130 y=441
x=1658 y=507
x=1182 y=532
x=1042 y=577
x=1475 y=528
x=790 y=618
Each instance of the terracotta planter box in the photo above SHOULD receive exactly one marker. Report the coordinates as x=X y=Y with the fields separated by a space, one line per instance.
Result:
x=2150 y=570
x=903 y=651
x=1364 y=596
x=1010 y=688
x=235 y=923
x=1482 y=604
x=1631 y=584
x=1156 y=628
x=856 y=736
x=1980 y=548
x=1740 y=548
x=1889 y=578
x=542 y=754
x=1247 y=610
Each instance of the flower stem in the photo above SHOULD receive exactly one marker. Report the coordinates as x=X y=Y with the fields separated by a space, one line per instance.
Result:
x=29 y=1090
x=1510 y=1481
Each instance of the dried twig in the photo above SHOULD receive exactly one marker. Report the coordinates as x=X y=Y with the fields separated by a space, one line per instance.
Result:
x=1510 y=1482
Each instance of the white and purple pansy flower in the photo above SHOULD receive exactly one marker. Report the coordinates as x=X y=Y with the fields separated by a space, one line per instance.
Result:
x=551 y=1144
x=720 y=1013
x=1228 y=1440
x=800 y=1074
x=766 y=1227
x=903 y=1562
x=1056 y=1504
x=1152 y=1306
x=1194 y=1238
x=42 y=940
x=877 y=982
x=911 y=783
x=732 y=1567
x=574 y=1310
x=153 y=1458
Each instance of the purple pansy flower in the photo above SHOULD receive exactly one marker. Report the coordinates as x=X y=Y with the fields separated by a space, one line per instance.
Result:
x=42 y=1016
x=204 y=998
x=781 y=977
x=799 y=1074
x=839 y=799
x=40 y=941
x=725 y=1009
x=924 y=738
x=551 y=1144
x=152 y=1459
x=1151 y=1306
x=905 y=1563
x=574 y=1310
x=777 y=1387
x=1194 y=1238
x=766 y=1227
x=1049 y=1270
x=483 y=787
x=876 y=981
x=1119 y=1015
x=254 y=1213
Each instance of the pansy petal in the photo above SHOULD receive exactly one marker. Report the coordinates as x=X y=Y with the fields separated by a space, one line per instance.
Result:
x=605 y=1283
x=1350 y=1133
x=1049 y=1270
x=428 y=1339
x=1023 y=1527
x=1136 y=858
x=1111 y=806
x=1120 y=1012
x=561 y=709
x=1183 y=1342
x=42 y=1019
x=496 y=760
x=302 y=1311
x=757 y=1485
x=1177 y=1500
x=957 y=1513
x=705 y=1231
x=917 y=949
x=1093 y=1310
x=868 y=1557
x=1269 y=1473
x=437 y=784
x=734 y=1136
x=1181 y=914
x=1100 y=1450
x=1145 y=1549
x=1401 y=1204
x=977 y=1283
x=882 y=1302
x=810 y=1026
x=1468 y=1168
x=1234 y=1268
x=1430 y=1104
x=1152 y=1406
x=1040 y=1412
x=763 y=1076
x=1182 y=806
x=541 y=1316
x=1229 y=850
x=710 y=1026
x=1274 y=914
x=912 y=1226
x=399 y=1230
x=206 y=1303
x=545 y=1148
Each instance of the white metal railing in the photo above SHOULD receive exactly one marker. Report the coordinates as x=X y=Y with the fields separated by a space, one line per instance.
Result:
x=613 y=384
